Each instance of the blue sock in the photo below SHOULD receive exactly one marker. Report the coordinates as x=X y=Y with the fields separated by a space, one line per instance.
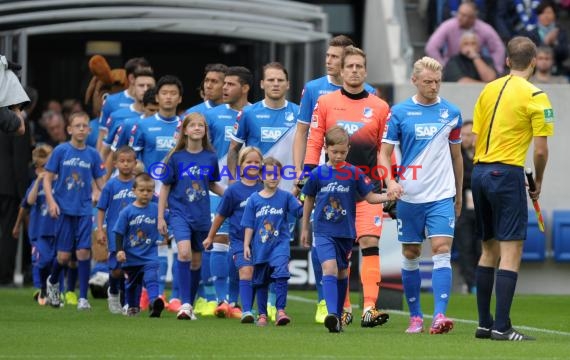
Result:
x=280 y=288
x=113 y=284
x=194 y=282
x=36 y=278
x=174 y=294
x=204 y=274
x=233 y=281
x=184 y=281
x=330 y=292
x=122 y=290
x=271 y=297
x=484 y=279
x=318 y=271
x=62 y=280
x=412 y=281
x=505 y=290
x=152 y=282
x=246 y=294
x=84 y=271
x=72 y=274
x=219 y=270
x=261 y=295
x=342 y=284
x=162 y=270
x=441 y=284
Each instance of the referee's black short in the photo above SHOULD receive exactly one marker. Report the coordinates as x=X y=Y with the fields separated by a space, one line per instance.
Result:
x=500 y=201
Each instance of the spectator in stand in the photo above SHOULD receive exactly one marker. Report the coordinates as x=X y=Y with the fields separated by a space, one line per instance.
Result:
x=470 y=65
x=440 y=10
x=549 y=33
x=444 y=42
x=543 y=69
x=55 y=128
x=515 y=17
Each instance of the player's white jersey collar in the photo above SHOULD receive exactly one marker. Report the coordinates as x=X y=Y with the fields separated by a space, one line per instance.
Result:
x=330 y=80
x=168 y=120
x=264 y=104
x=126 y=92
x=415 y=101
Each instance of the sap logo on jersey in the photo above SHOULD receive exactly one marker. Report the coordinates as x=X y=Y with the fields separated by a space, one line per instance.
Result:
x=427 y=131
x=228 y=132
x=165 y=143
x=349 y=126
x=272 y=134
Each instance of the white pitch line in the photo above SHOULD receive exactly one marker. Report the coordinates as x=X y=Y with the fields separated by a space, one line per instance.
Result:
x=463 y=321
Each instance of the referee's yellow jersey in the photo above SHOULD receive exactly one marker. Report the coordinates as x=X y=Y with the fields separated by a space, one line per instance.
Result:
x=508 y=113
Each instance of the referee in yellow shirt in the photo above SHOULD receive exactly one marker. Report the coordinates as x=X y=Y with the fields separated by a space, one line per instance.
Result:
x=509 y=113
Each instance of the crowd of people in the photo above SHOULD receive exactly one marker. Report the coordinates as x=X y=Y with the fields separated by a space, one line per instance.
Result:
x=206 y=182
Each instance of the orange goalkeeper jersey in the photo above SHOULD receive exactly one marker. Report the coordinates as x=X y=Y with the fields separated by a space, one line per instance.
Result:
x=363 y=118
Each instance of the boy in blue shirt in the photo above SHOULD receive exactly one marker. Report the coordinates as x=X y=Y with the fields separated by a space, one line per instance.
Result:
x=115 y=196
x=266 y=239
x=136 y=236
x=76 y=166
x=333 y=189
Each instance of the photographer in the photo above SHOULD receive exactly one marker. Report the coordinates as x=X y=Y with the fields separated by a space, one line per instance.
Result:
x=12 y=96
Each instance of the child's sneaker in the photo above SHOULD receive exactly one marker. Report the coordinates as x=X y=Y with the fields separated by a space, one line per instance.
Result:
x=262 y=320
x=174 y=305
x=70 y=298
x=53 y=293
x=247 y=318
x=373 y=317
x=223 y=310
x=114 y=303
x=133 y=311
x=282 y=318
x=156 y=308
x=441 y=325
x=332 y=322
x=199 y=305
x=83 y=304
x=346 y=318
x=271 y=312
x=185 y=312
x=416 y=325
x=322 y=312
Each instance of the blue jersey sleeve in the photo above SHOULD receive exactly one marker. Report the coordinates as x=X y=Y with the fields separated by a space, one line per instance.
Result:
x=171 y=172
x=306 y=107
x=122 y=224
x=393 y=132
x=226 y=205
x=137 y=138
x=215 y=175
x=104 y=122
x=54 y=159
x=363 y=185
x=241 y=127
x=248 y=218
x=294 y=206
x=98 y=168
x=105 y=197
x=311 y=186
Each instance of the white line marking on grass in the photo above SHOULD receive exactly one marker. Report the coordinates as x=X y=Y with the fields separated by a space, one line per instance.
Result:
x=463 y=321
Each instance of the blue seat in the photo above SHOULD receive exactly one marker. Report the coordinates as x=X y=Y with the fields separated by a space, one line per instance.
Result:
x=534 y=247
x=561 y=235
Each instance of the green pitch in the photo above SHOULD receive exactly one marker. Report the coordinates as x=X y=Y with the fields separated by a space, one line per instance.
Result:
x=30 y=331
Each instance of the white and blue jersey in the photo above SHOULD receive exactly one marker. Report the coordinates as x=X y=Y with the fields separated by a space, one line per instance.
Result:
x=311 y=93
x=125 y=131
x=424 y=133
x=112 y=103
x=138 y=226
x=189 y=176
x=75 y=169
x=41 y=223
x=232 y=206
x=117 y=119
x=153 y=137
x=261 y=126
x=200 y=108
x=115 y=196
x=336 y=191
x=93 y=133
x=221 y=120
x=267 y=217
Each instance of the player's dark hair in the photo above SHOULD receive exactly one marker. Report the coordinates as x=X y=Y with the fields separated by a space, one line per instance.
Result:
x=245 y=76
x=341 y=41
x=520 y=52
x=545 y=4
x=125 y=149
x=149 y=96
x=221 y=68
x=142 y=177
x=278 y=66
x=136 y=63
x=169 y=80
x=143 y=72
